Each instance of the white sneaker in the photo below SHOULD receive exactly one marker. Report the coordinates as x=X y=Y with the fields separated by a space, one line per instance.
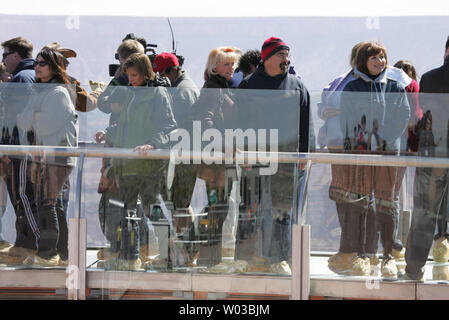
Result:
x=33 y=260
x=229 y=266
x=388 y=268
x=5 y=246
x=259 y=264
x=361 y=267
x=281 y=268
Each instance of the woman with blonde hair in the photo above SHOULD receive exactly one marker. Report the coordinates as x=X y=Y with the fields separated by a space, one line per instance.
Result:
x=216 y=109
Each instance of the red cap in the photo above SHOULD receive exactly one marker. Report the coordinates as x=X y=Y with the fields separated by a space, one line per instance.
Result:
x=271 y=46
x=164 y=60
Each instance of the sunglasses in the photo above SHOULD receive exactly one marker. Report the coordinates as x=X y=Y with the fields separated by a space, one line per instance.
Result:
x=4 y=55
x=41 y=63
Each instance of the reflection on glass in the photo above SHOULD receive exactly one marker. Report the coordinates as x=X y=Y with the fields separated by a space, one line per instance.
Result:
x=199 y=214
x=38 y=184
x=374 y=192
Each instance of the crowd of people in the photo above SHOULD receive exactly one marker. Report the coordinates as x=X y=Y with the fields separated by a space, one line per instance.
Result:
x=365 y=110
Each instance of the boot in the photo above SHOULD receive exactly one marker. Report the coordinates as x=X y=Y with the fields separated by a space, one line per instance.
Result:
x=17 y=255
x=441 y=250
x=228 y=266
x=129 y=265
x=388 y=267
x=398 y=255
x=34 y=260
x=281 y=268
x=341 y=262
x=4 y=251
x=440 y=272
x=259 y=264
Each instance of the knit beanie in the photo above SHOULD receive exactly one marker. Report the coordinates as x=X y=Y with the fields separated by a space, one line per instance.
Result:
x=271 y=46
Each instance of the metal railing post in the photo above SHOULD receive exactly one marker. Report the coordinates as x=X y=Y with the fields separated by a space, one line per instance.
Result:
x=301 y=242
x=76 y=279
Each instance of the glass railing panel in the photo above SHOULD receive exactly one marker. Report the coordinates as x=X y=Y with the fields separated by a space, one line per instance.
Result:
x=217 y=206
x=379 y=182
x=40 y=174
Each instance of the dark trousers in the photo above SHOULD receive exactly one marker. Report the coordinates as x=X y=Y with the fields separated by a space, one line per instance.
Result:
x=282 y=236
x=358 y=228
x=110 y=215
x=430 y=210
x=124 y=233
x=17 y=175
x=52 y=216
x=378 y=212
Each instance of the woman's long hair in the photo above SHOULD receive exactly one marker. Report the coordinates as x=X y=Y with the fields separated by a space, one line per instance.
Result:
x=56 y=64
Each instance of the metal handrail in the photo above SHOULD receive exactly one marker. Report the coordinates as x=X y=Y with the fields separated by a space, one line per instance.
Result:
x=246 y=157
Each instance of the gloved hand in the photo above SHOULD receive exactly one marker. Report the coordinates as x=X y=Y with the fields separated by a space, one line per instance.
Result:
x=94 y=85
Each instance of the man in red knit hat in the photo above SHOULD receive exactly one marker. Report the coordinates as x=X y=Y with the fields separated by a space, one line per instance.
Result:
x=289 y=114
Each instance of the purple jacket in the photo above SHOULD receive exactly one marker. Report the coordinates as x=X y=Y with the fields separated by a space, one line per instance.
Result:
x=330 y=97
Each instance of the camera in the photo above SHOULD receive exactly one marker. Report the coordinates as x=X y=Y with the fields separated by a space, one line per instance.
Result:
x=113 y=69
x=149 y=51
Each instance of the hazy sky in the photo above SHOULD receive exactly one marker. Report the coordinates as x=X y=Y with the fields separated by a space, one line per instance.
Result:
x=234 y=8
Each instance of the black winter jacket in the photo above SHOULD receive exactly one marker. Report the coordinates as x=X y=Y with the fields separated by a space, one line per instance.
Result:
x=261 y=80
x=215 y=107
x=436 y=80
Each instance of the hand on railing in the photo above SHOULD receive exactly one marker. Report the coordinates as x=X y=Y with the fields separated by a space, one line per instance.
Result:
x=144 y=149
x=329 y=112
x=100 y=136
